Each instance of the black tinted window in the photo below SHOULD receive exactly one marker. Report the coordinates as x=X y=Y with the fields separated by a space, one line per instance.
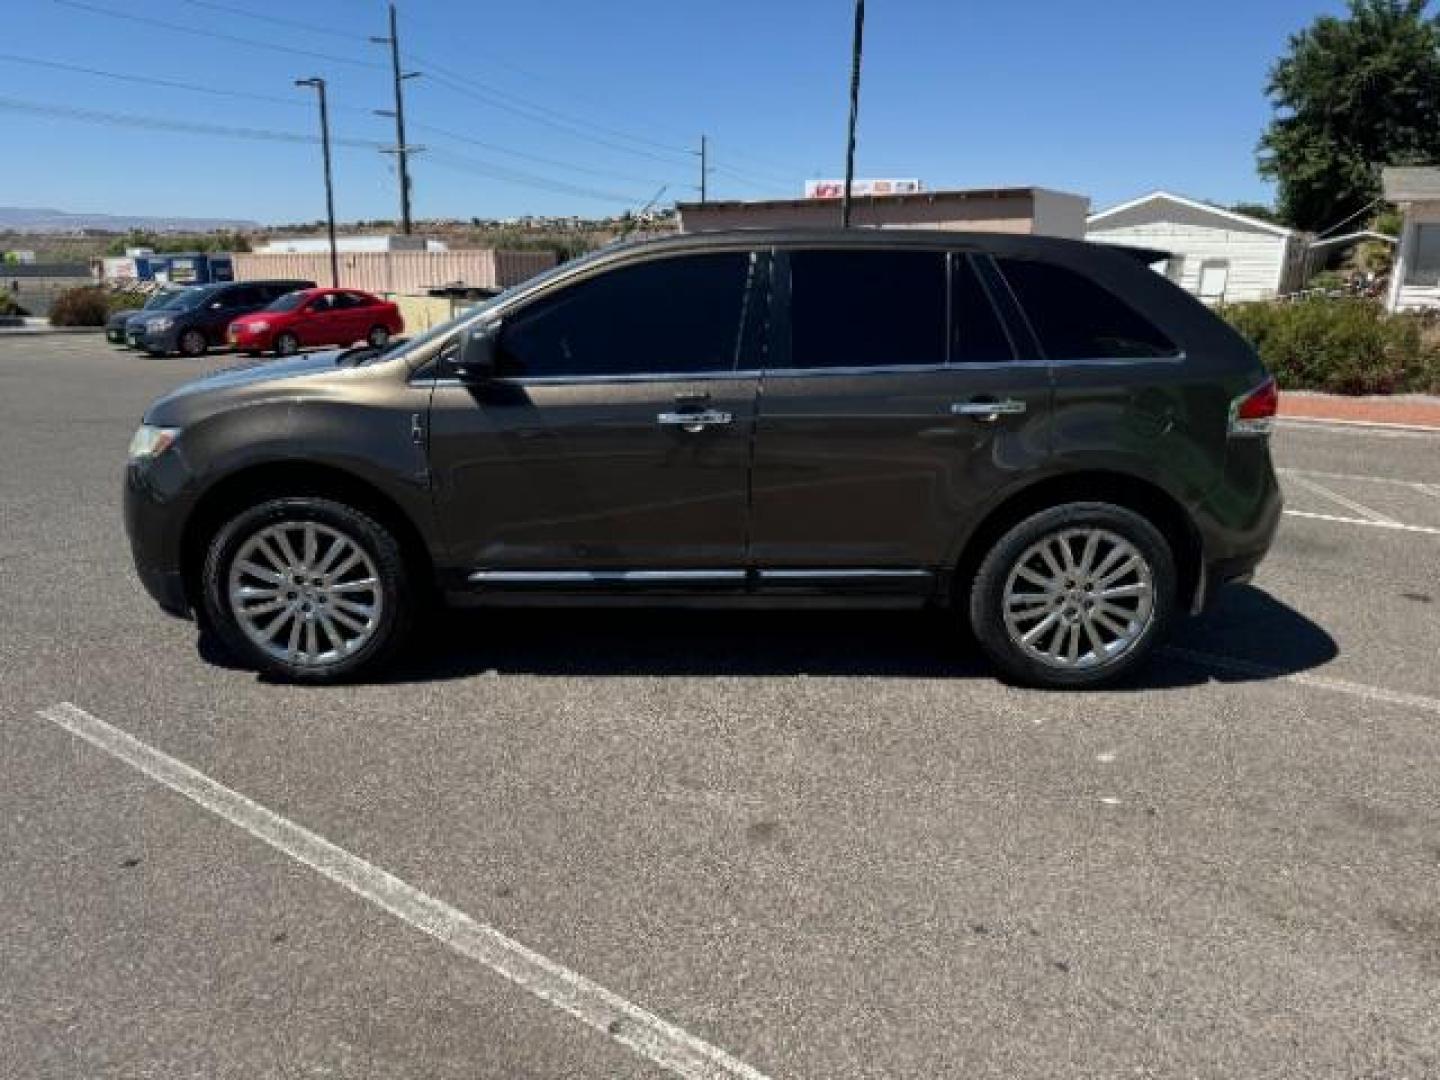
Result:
x=866 y=308
x=1076 y=319
x=676 y=316
x=241 y=297
x=976 y=334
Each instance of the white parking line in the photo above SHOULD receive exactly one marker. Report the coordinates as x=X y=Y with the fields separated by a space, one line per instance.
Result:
x=1361 y=427
x=1342 y=500
x=1414 y=485
x=1319 y=682
x=663 y=1043
x=1423 y=529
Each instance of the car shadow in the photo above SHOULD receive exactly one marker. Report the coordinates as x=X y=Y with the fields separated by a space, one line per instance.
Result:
x=1248 y=635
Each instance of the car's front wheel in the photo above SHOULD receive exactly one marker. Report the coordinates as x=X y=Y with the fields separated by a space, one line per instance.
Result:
x=378 y=337
x=1074 y=596
x=308 y=589
x=287 y=344
x=193 y=343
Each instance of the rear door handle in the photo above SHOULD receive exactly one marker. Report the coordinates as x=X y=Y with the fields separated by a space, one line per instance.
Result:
x=695 y=421
x=988 y=409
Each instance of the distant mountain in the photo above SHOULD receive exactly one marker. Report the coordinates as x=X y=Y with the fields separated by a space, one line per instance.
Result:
x=33 y=220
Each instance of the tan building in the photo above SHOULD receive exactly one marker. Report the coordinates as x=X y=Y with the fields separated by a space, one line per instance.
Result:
x=1036 y=211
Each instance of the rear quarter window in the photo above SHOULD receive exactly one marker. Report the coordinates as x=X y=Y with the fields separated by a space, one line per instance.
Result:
x=1076 y=318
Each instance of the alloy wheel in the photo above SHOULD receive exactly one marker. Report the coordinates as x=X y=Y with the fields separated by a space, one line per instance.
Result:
x=305 y=593
x=1079 y=598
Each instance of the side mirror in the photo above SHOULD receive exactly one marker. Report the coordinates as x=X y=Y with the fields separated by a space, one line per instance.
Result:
x=479 y=355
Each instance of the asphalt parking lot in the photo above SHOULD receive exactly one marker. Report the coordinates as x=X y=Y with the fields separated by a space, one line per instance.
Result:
x=762 y=845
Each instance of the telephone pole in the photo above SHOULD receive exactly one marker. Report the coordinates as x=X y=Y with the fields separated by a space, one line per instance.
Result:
x=319 y=85
x=856 y=50
x=401 y=149
x=704 y=167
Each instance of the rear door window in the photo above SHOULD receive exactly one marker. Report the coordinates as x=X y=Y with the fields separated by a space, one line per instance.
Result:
x=862 y=309
x=675 y=316
x=976 y=333
x=1077 y=319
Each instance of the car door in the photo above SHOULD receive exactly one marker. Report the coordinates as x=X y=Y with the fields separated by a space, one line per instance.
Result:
x=224 y=308
x=892 y=409
x=614 y=444
x=322 y=320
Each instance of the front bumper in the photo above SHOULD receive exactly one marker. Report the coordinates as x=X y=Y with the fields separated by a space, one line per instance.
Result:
x=247 y=341
x=161 y=341
x=115 y=335
x=153 y=522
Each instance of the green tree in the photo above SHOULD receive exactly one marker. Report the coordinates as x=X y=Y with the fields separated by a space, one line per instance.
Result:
x=1351 y=95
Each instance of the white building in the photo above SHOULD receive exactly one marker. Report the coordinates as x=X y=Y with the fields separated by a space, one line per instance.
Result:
x=1415 y=281
x=345 y=245
x=1217 y=255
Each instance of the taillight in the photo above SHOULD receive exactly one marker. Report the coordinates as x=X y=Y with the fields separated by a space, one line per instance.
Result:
x=1254 y=413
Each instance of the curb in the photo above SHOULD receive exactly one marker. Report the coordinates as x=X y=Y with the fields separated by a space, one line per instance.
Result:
x=1383 y=425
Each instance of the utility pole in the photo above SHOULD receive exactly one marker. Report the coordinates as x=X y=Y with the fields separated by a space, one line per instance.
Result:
x=319 y=85
x=856 y=50
x=704 y=167
x=401 y=149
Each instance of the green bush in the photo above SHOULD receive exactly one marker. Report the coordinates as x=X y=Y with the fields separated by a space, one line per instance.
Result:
x=126 y=300
x=1344 y=346
x=86 y=306
x=9 y=309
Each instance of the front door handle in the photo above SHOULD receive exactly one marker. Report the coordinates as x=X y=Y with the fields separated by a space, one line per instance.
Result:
x=695 y=421
x=988 y=409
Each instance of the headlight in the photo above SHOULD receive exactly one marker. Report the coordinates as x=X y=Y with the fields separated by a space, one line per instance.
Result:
x=150 y=441
x=162 y=323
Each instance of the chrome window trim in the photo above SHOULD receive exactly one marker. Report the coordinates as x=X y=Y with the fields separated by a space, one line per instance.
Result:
x=800 y=373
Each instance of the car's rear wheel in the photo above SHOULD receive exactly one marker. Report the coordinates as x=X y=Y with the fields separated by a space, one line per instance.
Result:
x=193 y=343
x=287 y=344
x=1074 y=596
x=378 y=337
x=307 y=589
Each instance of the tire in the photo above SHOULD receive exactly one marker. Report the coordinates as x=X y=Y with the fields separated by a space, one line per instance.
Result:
x=192 y=343
x=286 y=344
x=318 y=630
x=378 y=337
x=1098 y=624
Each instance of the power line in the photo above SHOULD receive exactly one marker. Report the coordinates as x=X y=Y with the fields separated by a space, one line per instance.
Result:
x=440 y=79
x=554 y=162
x=168 y=84
x=450 y=159
x=157 y=123
x=254 y=43
x=275 y=20
x=570 y=119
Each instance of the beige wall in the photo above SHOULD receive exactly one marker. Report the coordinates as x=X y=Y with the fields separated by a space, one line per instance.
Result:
x=1048 y=213
x=399 y=272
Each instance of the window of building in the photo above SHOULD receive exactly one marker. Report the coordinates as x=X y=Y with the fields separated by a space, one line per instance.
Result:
x=668 y=316
x=1077 y=319
x=1214 y=279
x=1423 y=265
x=867 y=308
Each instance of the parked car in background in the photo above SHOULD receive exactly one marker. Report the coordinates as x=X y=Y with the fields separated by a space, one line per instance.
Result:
x=200 y=319
x=317 y=317
x=1043 y=437
x=115 y=326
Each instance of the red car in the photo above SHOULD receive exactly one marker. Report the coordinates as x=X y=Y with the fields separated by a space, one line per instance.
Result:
x=316 y=317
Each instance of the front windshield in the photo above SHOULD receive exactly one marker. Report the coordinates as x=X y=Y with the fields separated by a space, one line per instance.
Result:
x=163 y=299
x=288 y=302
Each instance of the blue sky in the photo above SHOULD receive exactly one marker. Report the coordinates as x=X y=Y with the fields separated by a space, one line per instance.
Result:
x=1106 y=99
